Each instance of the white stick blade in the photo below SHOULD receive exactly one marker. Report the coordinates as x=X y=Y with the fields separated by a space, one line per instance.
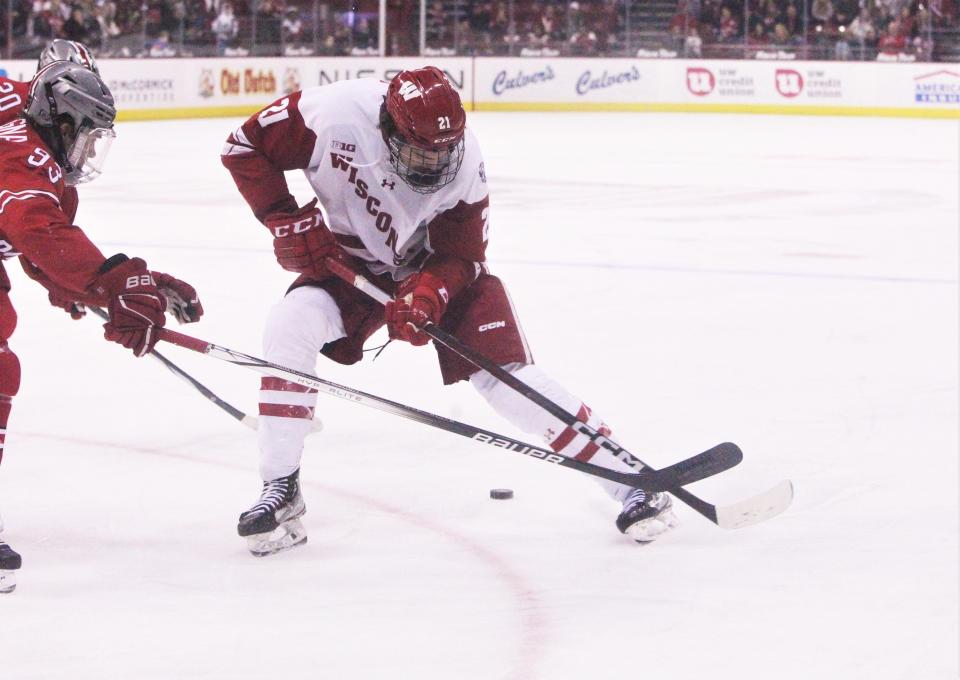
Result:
x=756 y=509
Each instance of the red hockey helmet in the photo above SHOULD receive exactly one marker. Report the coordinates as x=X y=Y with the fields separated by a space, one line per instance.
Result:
x=423 y=125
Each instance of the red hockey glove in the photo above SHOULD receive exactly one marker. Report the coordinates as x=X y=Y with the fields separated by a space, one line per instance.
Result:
x=182 y=300
x=301 y=241
x=136 y=305
x=421 y=298
x=76 y=310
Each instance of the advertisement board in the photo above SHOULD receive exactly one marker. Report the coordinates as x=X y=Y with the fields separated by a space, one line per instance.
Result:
x=183 y=88
x=836 y=88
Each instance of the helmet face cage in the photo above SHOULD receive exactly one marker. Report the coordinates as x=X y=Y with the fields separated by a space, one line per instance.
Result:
x=425 y=170
x=423 y=122
x=88 y=153
x=68 y=50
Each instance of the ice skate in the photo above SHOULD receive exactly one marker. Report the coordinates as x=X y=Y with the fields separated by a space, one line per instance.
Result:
x=645 y=516
x=273 y=524
x=9 y=563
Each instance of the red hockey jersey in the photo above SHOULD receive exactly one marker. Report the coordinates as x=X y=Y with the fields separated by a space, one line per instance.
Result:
x=36 y=215
x=13 y=98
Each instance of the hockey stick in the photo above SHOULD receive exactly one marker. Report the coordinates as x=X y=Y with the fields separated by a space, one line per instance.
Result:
x=713 y=461
x=233 y=411
x=750 y=511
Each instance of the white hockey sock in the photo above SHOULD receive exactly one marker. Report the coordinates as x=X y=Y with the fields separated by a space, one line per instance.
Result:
x=297 y=328
x=529 y=417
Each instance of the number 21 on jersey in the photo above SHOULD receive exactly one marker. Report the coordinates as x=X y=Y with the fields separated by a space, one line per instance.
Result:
x=274 y=114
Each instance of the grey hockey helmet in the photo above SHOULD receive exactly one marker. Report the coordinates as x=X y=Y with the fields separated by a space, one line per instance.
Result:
x=63 y=92
x=68 y=50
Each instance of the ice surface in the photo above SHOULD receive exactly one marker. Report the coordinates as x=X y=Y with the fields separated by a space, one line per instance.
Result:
x=786 y=283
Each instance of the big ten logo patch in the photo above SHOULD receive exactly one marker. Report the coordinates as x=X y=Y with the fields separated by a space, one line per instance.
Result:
x=700 y=81
x=789 y=82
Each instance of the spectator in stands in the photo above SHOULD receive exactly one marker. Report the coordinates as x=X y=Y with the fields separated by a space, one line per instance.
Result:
x=882 y=17
x=708 y=20
x=292 y=27
x=583 y=41
x=758 y=37
x=364 y=36
x=153 y=20
x=893 y=7
x=269 y=18
x=128 y=16
x=49 y=17
x=783 y=39
x=74 y=28
x=337 y=43
x=693 y=46
x=845 y=11
x=905 y=19
x=94 y=28
x=825 y=30
x=604 y=22
x=863 y=33
x=822 y=12
x=104 y=15
x=892 y=42
x=161 y=47
x=923 y=39
x=771 y=17
x=682 y=21
x=225 y=27
x=792 y=21
x=535 y=37
x=500 y=25
x=729 y=28
x=581 y=27
x=551 y=24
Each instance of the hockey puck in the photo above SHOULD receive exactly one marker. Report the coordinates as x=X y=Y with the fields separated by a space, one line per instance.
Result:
x=501 y=494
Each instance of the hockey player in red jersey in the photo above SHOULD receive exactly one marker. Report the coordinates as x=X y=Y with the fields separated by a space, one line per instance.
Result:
x=13 y=93
x=13 y=97
x=61 y=141
x=403 y=185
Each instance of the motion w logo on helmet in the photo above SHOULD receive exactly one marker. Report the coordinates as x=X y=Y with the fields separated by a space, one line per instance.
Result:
x=409 y=90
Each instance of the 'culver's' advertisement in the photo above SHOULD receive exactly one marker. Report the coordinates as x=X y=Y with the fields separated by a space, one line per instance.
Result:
x=558 y=80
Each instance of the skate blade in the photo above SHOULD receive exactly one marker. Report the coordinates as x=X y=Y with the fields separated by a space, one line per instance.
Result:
x=648 y=530
x=8 y=582
x=288 y=535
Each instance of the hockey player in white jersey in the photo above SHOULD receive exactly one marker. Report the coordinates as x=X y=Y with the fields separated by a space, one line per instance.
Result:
x=402 y=181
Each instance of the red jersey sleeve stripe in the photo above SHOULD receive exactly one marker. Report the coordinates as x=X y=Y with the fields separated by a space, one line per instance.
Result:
x=7 y=196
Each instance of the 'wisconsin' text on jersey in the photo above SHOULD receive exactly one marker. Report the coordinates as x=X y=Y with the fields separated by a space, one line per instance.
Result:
x=382 y=218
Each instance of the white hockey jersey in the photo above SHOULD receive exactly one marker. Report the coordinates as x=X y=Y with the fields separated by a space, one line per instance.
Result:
x=332 y=134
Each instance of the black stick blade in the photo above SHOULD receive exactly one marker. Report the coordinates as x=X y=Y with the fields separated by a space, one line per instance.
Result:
x=711 y=462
